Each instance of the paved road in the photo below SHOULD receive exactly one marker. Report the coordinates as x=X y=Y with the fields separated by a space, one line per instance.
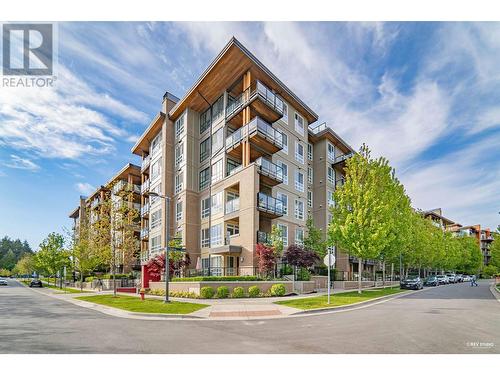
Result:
x=449 y=319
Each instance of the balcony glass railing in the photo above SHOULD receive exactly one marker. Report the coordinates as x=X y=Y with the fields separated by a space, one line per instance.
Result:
x=315 y=129
x=269 y=204
x=145 y=162
x=343 y=157
x=145 y=187
x=263 y=237
x=145 y=209
x=144 y=233
x=271 y=99
x=270 y=169
x=233 y=205
x=257 y=125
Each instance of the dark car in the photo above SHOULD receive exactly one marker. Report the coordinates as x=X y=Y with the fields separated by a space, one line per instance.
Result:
x=431 y=281
x=412 y=282
x=35 y=283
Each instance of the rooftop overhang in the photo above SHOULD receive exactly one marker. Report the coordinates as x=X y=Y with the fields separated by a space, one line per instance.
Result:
x=231 y=63
x=332 y=137
x=434 y=215
x=226 y=249
x=75 y=213
x=128 y=169
x=142 y=144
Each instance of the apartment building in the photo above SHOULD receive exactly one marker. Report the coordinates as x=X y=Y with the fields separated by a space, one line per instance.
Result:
x=440 y=221
x=114 y=203
x=485 y=240
x=237 y=154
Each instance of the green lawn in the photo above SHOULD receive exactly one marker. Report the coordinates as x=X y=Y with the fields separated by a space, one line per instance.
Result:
x=135 y=304
x=340 y=299
x=64 y=290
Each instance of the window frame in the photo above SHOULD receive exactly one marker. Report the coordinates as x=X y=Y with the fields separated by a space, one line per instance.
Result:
x=299 y=158
x=299 y=130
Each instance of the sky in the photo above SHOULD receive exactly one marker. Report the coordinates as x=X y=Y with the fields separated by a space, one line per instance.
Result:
x=424 y=95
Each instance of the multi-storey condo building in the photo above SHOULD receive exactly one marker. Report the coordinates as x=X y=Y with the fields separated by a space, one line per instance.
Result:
x=486 y=238
x=115 y=203
x=437 y=218
x=235 y=155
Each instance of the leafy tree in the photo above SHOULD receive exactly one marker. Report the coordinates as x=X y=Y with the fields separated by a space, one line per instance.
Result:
x=11 y=251
x=489 y=271
x=495 y=250
x=363 y=216
x=313 y=239
x=469 y=256
x=25 y=265
x=8 y=261
x=5 y=272
x=266 y=258
x=301 y=256
x=156 y=265
x=52 y=257
x=276 y=241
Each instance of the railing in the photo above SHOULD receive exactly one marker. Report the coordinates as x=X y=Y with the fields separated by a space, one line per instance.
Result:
x=235 y=170
x=124 y=185
x=315 y=129
x=257 y=125
x=263 y=237
x=232 y=205
x=343 y=157
x=271 y=99
x=144 y=255
x=145 y=162
x=145 y=187
x=144 y=233
x=354 y=259
x=95 y=203
x=222 y=271
x=269 y=204
x=270 y=169
x=145 y=209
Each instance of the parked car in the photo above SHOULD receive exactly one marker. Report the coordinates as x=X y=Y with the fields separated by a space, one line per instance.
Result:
x=459 y=278
x=466 y=278
x=442 y=279
x=36 y=283
x=451 y=278
x=412 y=282
x=431 y=281
x=3 y=282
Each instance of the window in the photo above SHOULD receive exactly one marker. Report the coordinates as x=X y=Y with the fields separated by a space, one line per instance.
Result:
x=285 y=143
x=299 y=236
x=155 y=243
x=299 y=209
x=331 y=200
x=178 y=211
x=331 y=175
x=284 y=234
x=179 y=153
x=299 y=181
x=299 y=124
x=179 y=126
x=216 y=235
x=157 y=190
x=309 y=198
x=217 y=203
x=205 y=121
x=205 y=237
x=284 y=199
x=217 y=109
x=299 y=152
x=232 y=166
x=204 y=178
x=217 y=141
x=217 y=171
x=204 y=150
x=285 y=112
x=205 y=207
x=284 y=168
x=331 y=152
x=310 y=151
x=156 y=145
x=232 y=229
x=309 y=175
x=156 y=219
x=156 y=169
x=179 y=179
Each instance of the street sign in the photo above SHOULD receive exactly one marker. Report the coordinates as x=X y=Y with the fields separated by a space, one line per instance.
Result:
x=332 y=260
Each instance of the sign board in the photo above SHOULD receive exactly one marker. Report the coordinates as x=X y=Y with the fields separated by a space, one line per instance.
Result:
x=332 y=259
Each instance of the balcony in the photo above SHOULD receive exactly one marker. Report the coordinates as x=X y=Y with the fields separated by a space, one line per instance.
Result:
x=95 y=203
x=263 y=237
x=270 y=207
x=262 y=101
x=339 y=182
x=145 y=163
x=353 y=259
x=145 y=187
x=144 y=256
x=145 y=210
x=232 y=206
x=144 y=234
x=270 y=174
x=340 y=160
x=486 y=238
x=316 y=129
x=263 y=136
x=122 y=185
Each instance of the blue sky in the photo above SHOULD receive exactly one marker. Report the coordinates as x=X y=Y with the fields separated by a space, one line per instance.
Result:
x=425 y=95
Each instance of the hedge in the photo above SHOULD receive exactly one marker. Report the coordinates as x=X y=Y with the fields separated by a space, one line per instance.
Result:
x=108 y=277
x=217 y=278
x=222 y=292
x=207 y=292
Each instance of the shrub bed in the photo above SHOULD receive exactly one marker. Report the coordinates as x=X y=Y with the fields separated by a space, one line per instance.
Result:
x=89 y=279
x=238 y=292
x=253 y=291
x=222 y=292
x=217 y=278
x=278 y=290
x=207 y=292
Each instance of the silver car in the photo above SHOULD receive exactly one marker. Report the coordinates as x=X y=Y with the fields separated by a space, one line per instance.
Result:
x=451 y=278
x=3 y=282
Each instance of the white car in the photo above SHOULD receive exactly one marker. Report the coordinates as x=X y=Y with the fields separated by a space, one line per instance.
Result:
x=3 y=282
x=451 y=278
x=466 y=278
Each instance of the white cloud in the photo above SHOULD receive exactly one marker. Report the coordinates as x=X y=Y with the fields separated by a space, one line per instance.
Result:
x=18 y=162
x=84 y=188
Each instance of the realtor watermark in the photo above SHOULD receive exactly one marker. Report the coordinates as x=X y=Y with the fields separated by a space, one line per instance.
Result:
x=478 y=344
x=28 y=55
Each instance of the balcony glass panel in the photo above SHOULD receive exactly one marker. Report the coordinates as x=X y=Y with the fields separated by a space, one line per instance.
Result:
x=269 y=204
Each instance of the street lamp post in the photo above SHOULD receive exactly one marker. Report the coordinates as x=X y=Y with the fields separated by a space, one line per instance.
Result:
x=167 y=240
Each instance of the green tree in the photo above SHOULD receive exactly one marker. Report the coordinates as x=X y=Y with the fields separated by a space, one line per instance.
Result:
x=25 y=265
x=495 y=250
x=469 y=256
x=276 y=241
x=9 y=260
x=313 y=239
x=363 y=218
x=52 y=257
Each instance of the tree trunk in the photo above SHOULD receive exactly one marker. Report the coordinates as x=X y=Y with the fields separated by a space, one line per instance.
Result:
x=392 y=273
x=360 y=265
x=81 y=280
x=383 y=273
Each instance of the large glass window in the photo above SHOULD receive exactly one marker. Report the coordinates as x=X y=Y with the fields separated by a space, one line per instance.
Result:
x=156 y=219
x=299 y=181
x=179 y=125
x=205 y=121
x=205 y=237
x=284 y=169
x=309 y=198
x=232 y=166
x=205 y=208
x=217 y=171
x=331 y=175
x=155 y=243
x=285 y=143
x=299 y=152
x=204 y=178
x=284 y=234
x=179 y=153
x=216 y=235
x=156 y=145
x=218 y=109
x=157 y=190
x=285 y=112
x=331 y=199
x=309 y=175
x=232 y=229
x=179 y=180
x=284 y=199
x=310 y=151
x=217 y=141
x=217 y=202
x=299 y=236
x=178 y=211
x=331 y=152
x=299 y=124
x=156 y=169
x=204 y=150
x=299 y=209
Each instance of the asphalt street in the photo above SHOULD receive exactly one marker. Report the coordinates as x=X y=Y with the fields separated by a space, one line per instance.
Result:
x=448 y=319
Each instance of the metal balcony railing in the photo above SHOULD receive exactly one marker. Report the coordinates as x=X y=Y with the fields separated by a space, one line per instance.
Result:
x=259 y=126
x=270 y=169
x=315 y=129
x=232 y=206
x=343 y=157
x=269 y=204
